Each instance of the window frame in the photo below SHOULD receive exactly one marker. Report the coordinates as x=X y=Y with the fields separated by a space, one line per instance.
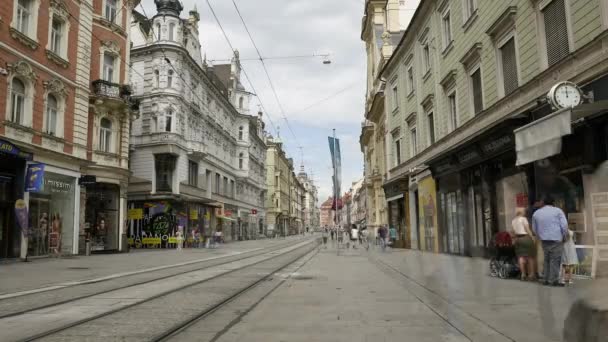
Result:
x=48 y=128
x=192 y=173
x=452 y=110
x=117 y=19
x=542 y=35
x=500 y=43
x=413 y=141
x=426 y=57
x=410 y=79
x=432 y=137
x=31 y=30
x=241 y=161
x=475 y=66
x=166 y=166
x=103 y=66
x=447 y=38
x=105 y=141
x=467 y=11
x=170 y=75
x=395 y=97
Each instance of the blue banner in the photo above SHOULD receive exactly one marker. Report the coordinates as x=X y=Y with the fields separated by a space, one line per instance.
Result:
x=334 y=149
x=34 y=178
x=8 y=148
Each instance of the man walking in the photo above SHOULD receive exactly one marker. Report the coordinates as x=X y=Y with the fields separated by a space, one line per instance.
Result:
x=382 y=233
x=550 y=225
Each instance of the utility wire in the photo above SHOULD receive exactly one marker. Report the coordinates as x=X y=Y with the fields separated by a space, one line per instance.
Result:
x=242 y=68
x=274 y=92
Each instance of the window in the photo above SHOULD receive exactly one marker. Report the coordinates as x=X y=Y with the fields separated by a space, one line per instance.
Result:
x=232 y=189
x=225 y=186
x=476 y=90
x=158 y=31
x=470 y=6
x=56 y=36
x=169 y=78
x=171 y=30
x=241 y=161
x=426 y=58
x=168 y=121
x=105 y=135
x=241 y=133
x=446 y=24
x=192 y=173
x=508 y=62
x=164 y=165
x=17 y=101
x=410 y=79
x=556 y=31
x=241 y=102
x=217 y=183
x=431 y=125
x=111 y=10
x=108 y=67
x=452 y=111
x=413 y=141
x=23 y=16
x=51 y=115
x=395 y=101
x=397 y=152
x=156 y=78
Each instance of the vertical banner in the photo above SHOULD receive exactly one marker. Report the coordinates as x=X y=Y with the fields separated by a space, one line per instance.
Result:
x=334 y=149
x=34 y=177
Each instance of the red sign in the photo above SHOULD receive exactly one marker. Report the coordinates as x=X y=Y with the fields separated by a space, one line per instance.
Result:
x=227 y=213
x=254 y=211
x=522 y=200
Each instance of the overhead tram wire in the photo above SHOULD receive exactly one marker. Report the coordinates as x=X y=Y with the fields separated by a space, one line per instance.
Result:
x=274 y=92
x=217 y=20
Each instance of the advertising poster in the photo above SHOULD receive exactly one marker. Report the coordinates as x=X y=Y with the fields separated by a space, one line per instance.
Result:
x=21 y=216
x=34 y=177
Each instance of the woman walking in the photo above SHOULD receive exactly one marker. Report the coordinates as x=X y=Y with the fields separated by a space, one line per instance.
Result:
x=569 y=257
x=525 y=247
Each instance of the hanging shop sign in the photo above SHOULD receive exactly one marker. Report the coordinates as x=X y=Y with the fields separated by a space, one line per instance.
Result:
x=34 y=177
x=8 y=148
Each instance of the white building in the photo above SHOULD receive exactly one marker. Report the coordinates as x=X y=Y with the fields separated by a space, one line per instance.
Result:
x=196 y=162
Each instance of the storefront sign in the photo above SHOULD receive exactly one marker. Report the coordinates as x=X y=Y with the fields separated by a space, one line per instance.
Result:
x=135 y=214
x=193 y=214
x=522 y=200
x=34 y=177
x=21 y=215
x=87 y=180
x=57 y=186
x=254 y=211
x=8 y=148
x=498 y=145
x=469 y=156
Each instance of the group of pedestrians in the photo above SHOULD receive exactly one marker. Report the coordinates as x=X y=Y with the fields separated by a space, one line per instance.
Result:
x=359 y=236
x=550 y=230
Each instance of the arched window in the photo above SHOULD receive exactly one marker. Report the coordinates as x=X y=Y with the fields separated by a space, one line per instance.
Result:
x=158 y=31
x=17 y=101
x=241 y=133
x=105 y=135
x=171 y=29
x=240 y=103
x=51 y=115
x=169 y=78
x=156 y=78
x=241 y=160
x=168 y=120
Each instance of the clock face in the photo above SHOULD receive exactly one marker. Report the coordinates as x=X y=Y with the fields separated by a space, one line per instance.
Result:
x=567 y=96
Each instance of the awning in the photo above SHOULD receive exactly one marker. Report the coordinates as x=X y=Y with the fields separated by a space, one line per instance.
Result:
x=225 y=218
x=542 y=138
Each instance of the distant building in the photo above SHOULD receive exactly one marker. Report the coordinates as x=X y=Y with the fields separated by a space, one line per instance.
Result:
x=327 y=214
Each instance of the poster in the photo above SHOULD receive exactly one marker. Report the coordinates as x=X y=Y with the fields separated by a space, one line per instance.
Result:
x=135 y=214
x=22 y=217
x=34 y=177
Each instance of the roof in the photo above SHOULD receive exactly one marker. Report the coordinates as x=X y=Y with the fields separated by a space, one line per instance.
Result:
x=144 y=23
x=223 y=71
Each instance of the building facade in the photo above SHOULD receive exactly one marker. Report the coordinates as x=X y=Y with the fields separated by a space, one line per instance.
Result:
x=327 y=218
x=470 y=79
x=278 y=185
x=55 y=88
x=197 y=161
x=311 y=201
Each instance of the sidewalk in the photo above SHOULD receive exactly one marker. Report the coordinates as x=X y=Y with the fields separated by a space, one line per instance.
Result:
x=418 y=297
x=23 y=276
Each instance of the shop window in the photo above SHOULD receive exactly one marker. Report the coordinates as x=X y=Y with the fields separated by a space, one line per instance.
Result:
x=555 y=21
x=17 y=101
x=51 y=115
x=105 y=135
x=192 y=173
x=164 y=167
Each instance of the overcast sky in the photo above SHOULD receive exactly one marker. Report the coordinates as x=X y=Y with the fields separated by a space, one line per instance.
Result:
x=298 y=27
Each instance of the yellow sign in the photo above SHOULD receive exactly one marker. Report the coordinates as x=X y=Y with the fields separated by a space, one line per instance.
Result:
x=172 y=239
x=151 y=241
x=135 y=214
x=193 y=214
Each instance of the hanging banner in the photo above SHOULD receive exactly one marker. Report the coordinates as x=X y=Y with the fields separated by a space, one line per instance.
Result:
x=34 y=177
x=21 y=215
x=336 y=160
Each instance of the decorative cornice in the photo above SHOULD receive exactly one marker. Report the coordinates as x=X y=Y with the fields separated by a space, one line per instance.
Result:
x=56 y=59
x=472 y=54
x=55 y=86
x=23 y=38
x=411 y=118
x=504 y=22
x=428 y=101
x=23 y=69
x=449 y=79
x=110 y=25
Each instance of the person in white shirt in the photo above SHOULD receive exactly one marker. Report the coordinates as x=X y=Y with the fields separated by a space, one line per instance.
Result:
x=525 y=245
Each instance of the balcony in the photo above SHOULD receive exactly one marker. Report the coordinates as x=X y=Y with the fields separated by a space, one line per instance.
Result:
x=113 y=95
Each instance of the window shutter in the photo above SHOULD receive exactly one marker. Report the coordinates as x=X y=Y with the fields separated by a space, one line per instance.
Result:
x=509 y=66
x=556 y=31
x=477 y=91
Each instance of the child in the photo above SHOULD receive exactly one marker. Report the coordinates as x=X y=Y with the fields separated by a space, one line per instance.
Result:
x=569 y=257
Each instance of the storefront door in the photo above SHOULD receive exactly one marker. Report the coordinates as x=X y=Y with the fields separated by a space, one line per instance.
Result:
x=102 y=216
x=453 y=222
x=39 y=217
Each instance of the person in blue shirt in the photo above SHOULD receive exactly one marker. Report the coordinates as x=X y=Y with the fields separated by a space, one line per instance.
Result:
x=551 y=226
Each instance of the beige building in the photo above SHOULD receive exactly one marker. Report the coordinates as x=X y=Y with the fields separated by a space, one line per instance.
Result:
x=467 y=101
x=384 y=23
x=278 y=178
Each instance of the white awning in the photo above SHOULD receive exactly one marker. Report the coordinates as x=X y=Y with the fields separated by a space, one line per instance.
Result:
x=542 y=138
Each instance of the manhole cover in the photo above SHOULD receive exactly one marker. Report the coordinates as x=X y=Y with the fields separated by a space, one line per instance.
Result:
x=78 y=268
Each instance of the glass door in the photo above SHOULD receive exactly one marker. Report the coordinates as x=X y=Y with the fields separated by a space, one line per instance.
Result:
x=39 y=220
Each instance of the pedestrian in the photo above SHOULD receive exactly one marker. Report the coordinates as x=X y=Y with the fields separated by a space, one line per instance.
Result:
x=392 y=232
x=365 y=237
x=340 y=235
x=551 y=227
x=569 y=257
x=325 y=237
x=333 y=233
x=525 y=245
x=382 y=233
x=354 y=236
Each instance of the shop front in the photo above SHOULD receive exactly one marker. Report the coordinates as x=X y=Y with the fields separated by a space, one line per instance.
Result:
x=102 y=216
x=423 y=210
x=227 y=222
x=398 y=211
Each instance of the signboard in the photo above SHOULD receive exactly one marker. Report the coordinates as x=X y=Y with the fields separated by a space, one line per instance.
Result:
x=135 y=214
x=254 y=211
x=193 y=214
x=521 y=200
x=87 y=180
x=8 y=148
x=34 y=177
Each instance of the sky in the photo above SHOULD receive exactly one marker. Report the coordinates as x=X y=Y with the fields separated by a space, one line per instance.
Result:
x=315 y=97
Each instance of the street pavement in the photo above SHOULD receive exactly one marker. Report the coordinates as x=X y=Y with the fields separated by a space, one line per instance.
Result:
x=20 y=276
x=404 y=295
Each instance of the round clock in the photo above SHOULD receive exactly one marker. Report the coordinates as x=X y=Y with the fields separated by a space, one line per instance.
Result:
x=565 y=95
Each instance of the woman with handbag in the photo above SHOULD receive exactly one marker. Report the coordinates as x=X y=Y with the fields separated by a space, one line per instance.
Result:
x=525 y=245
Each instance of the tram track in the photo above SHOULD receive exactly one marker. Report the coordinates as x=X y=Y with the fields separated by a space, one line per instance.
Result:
x=226 y=273
x=21 y=304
